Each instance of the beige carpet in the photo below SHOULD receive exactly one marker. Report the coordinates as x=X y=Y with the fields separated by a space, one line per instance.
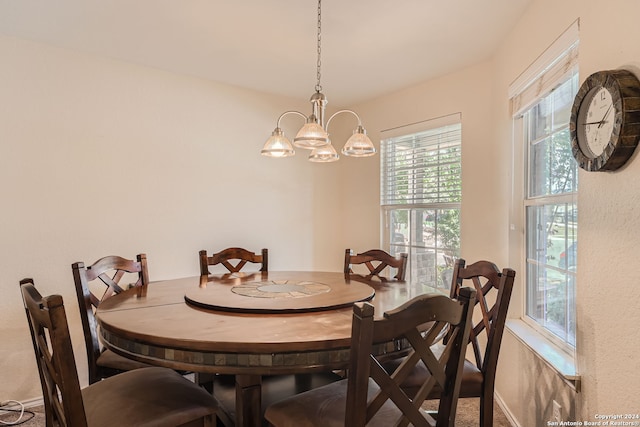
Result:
x=467 y=415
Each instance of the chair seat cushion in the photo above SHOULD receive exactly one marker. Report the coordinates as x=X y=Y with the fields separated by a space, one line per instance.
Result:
x=109 y=359
x=157 y=397
x=325 y=406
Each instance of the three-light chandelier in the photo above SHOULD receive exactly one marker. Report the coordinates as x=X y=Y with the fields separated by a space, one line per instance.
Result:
x=314 y=135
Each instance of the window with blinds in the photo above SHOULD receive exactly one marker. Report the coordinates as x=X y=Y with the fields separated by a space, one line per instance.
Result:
x=421 y=190
x=422 y=168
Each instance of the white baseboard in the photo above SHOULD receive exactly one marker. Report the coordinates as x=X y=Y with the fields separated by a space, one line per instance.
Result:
x=507 y=413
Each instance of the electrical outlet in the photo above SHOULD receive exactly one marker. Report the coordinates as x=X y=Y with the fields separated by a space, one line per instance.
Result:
x=557 y=412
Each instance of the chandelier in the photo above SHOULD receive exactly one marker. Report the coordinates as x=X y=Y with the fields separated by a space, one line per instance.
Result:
x=314 y=134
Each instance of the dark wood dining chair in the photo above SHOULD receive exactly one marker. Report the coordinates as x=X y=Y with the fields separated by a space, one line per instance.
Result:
x=372 y=396
x=147 y=396
x=234 y=259
x=494 y=290
x=94 y=284
x=376 y=261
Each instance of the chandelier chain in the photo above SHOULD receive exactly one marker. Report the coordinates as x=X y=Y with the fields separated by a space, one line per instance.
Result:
x=319 y=63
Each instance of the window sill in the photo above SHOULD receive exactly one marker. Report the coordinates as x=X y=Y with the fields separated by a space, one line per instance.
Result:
x=557 y=359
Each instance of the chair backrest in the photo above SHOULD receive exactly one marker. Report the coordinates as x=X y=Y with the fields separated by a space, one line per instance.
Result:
x=98 y=282
x=487 y=280
x=376 y=261
x=407 y=322
x=242 y=256
x=54 y=355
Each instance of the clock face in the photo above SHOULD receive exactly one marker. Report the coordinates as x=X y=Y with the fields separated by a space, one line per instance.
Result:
x=595 y=121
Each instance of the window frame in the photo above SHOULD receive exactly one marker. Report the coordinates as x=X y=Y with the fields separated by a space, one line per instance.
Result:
x=528 y=201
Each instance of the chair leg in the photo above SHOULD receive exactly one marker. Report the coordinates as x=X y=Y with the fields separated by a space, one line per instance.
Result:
x=207 y=421
x=486 y=410
x=210 y=421
x=204 y=380
x=223 y=419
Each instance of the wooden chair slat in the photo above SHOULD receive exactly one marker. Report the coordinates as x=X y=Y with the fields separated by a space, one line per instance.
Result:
x=390 y=390
x=376 y=261
x=239 y=255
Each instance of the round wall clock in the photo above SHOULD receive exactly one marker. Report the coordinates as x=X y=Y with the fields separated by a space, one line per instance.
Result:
x=605 y=120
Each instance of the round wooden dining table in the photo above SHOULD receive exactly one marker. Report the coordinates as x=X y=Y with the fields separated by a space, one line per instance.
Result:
x=248 y=324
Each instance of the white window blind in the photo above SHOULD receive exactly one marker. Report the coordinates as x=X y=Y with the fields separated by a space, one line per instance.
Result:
x=422 y=168
x=554 y=65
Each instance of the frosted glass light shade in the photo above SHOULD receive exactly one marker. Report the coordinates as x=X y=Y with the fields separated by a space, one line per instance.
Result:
x=359 y=144
x=310 y=136
x=277 y=145
x=324 y=154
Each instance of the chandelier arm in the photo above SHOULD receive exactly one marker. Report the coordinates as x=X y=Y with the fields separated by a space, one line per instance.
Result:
x=342 y=111
x=290 y=112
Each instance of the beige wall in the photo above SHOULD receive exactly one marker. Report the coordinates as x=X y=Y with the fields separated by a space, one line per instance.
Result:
x=60 y=112
x=99 y=157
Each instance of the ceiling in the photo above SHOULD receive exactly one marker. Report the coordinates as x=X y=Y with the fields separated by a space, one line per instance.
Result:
x=369 y=47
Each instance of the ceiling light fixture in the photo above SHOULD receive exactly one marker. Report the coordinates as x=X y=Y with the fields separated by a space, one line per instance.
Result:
x=314 y=135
